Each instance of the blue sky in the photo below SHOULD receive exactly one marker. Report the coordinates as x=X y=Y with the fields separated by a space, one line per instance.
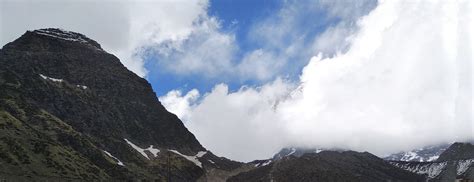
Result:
x=235 y=17
x=242 y=20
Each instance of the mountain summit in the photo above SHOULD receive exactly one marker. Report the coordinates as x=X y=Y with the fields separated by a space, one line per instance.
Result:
x=91 y=90
x=67 y=36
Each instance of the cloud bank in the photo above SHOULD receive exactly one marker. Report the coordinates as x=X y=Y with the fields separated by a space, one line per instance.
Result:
x=405 y=81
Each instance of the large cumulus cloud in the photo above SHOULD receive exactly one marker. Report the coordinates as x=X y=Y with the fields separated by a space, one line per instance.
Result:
x=405 y=81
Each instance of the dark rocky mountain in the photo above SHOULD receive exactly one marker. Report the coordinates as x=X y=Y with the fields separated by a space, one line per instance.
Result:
x=328 y=166
x=294 y=151
x=457 y=151
x=456 y=162
x=425 y=154
x=70 y=110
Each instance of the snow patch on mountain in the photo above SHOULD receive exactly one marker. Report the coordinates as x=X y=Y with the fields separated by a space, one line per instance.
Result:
x=82 y=86
x=61 y=34
x=58 y=80
x=120 y=163
x=67 y=36
x=266 y=163
x=425 y=154
x=201 y=153
x=193 y=159
x=154 y=151
x=51 y=79
x=294 y=151
x=260 y=163
x=150 y=149
x=409 y=156
x=430 y=169
x=463 y=165
x=433 y=158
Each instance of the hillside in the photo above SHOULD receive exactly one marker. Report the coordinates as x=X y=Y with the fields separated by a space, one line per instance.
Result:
x=70 y=110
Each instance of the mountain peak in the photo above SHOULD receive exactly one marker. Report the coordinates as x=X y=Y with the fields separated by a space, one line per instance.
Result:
x=294 y=151
x=458 y=151
x=66 y=35
x=52 y=39
x=59 y=91
x=424 y=154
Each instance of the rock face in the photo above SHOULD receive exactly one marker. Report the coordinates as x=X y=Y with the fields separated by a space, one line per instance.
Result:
x=456 y=162
x=114 y=102
x=328 y=166
x=458 y=151
x=425 y=154
x=294 y=151
x=70 y=110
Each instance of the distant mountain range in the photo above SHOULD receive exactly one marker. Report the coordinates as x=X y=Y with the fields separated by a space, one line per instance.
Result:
x=328 y=166
x=425 y=154
x=69 y=111
x=456 y=162
x=445 y=162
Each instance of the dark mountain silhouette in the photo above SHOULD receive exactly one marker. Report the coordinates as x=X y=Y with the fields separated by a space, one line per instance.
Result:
x=454 y=163
x=425 y=154
x=328 y=166
x=70 y=110
x=457 y=151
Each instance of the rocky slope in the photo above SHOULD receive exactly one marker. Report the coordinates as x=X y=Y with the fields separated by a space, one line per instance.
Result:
x=294 y=151
x=458 y=151
x=456 y=162
x=328 y=166
x=425 y=154
x=70 y=110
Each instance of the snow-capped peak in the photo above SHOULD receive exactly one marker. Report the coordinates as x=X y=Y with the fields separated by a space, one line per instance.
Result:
x=425 y=154
x=67 y=35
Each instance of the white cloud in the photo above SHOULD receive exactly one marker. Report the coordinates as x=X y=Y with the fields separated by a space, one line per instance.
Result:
x=205 y=51
x=209 y=52
x=404 y=82
x=260 y=65
x=122 y=27
x=334 y=40
x=186 y=39
x=397 y=87
x=180 y=104
x=237 y=124
x=286 y=36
